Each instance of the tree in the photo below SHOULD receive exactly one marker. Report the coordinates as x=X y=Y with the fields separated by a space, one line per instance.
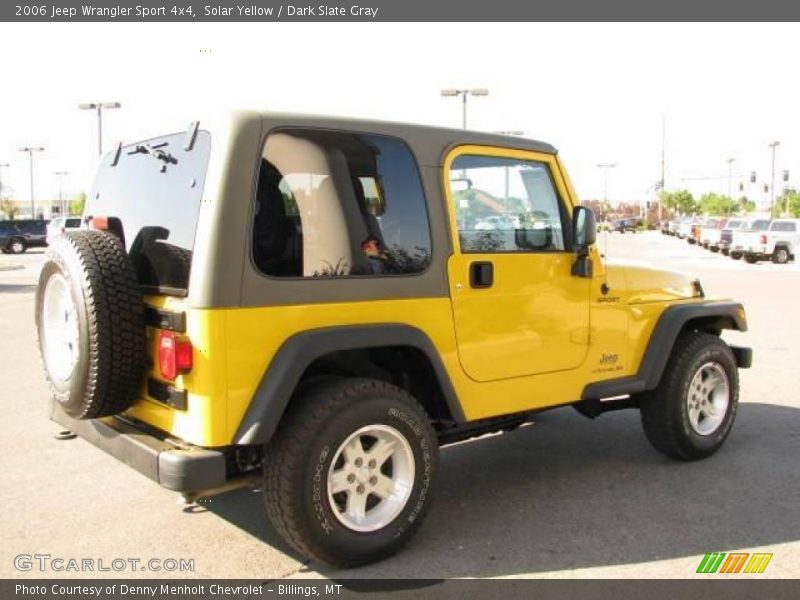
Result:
x=9 y=208
x=681 y=202
x=717 y=204
x=746 y=205
x=600 y=208
x=792 y=202
x=77 y=204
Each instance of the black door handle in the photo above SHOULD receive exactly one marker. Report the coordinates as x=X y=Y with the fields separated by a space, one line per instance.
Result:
x=481 y=274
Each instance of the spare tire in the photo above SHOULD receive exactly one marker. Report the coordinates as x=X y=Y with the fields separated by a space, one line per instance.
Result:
x=90 y=321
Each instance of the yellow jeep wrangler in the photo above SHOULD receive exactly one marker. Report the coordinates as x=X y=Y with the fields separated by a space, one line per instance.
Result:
x=321 y=303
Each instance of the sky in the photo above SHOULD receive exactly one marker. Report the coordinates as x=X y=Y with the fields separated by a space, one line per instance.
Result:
x=598 y=92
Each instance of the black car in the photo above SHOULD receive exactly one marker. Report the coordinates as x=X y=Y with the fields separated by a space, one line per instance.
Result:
x=18 y=236
x=624 y=225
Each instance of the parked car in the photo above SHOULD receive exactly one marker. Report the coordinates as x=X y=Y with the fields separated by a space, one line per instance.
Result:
x=685 y=227
x=674 y=224
x=778 y=243
x=623 y=225
x=60 y=225
x=726 y=233
x=710 y=233
x=330 y=351
x=663 y=227
x=745 y=237
x=694 y=233
x=17 y=236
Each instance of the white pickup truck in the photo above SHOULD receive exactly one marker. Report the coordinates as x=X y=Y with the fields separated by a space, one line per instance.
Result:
x=747 y=235
x=710 y=233
x=777 y=243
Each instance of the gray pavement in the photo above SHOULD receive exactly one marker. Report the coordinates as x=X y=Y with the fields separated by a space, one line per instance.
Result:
x=564 y=497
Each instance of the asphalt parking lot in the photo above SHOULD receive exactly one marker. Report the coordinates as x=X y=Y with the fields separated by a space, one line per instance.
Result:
x=565 y=497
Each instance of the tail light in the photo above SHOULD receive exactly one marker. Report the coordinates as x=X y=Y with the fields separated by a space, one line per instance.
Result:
x=174 y=355
x=763 y=239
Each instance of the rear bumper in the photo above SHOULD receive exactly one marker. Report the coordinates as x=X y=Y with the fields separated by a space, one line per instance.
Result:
x=182 y=469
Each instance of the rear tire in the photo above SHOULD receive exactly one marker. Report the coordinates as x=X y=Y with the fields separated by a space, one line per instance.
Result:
x=725 y=252
x=750 y=259
x=780 y=256
x=323 y=444
x=691 y=412
x=735 y=255
x=90 y=324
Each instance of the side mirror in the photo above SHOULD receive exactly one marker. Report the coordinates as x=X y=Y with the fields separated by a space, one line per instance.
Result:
x=584 y=234
x=584 y=228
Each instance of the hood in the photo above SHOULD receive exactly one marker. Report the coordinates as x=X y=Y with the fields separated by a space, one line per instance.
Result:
x=641 y=283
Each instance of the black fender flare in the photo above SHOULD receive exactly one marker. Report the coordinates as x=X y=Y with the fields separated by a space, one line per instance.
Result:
x=295 y=355
x=707 y=315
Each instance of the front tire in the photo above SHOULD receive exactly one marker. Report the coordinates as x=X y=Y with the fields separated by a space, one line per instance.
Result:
x=349 y=475
x=750 y=259
x=735 y=255
x=17 y=246
x=691 y=412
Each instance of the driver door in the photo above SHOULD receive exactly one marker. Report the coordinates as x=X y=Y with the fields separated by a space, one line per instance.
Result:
x=517 y=309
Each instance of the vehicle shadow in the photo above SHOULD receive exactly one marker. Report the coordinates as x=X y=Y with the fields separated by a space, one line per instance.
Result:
x=569 y=493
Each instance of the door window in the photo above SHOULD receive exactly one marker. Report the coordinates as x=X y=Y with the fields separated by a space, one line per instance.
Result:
x=506 y=205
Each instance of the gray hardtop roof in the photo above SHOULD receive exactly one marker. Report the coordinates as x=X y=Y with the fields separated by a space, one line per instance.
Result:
x=429 y=142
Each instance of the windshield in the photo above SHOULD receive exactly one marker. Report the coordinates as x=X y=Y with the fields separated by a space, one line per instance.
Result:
x=153 y=192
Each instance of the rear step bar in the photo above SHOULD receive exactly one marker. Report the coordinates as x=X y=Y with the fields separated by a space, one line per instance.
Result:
x=193 y=471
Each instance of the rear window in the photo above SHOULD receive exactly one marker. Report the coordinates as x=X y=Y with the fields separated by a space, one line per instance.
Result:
x=151 y=197
x=783 y=226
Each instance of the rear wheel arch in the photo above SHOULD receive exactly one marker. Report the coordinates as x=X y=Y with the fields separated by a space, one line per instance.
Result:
x=398 y=354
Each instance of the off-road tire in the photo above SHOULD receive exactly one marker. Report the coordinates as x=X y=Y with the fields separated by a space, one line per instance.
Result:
x=664 y=410
x=781 y=255
x=298 y=458
x=110 y=316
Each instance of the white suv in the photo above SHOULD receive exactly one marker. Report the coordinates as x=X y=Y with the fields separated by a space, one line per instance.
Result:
x=778 y=243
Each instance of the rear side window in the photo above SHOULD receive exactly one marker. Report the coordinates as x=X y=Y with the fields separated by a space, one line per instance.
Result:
x=338 y=204
x=783 y=226
x=760 y=225
x=151 y=197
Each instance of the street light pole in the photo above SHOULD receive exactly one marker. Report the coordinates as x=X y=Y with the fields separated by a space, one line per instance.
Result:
x=98 y=107
x=464 y=94
x=61 y=175
x=605 y=167
x=773 y=145
x=30 y=150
